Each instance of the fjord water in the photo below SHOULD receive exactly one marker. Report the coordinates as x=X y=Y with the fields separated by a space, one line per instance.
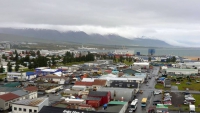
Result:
x=193 y=52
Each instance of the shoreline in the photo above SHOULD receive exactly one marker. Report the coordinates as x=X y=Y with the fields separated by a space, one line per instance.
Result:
x=192 y=57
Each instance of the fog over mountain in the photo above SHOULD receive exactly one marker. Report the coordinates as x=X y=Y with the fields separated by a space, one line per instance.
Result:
x=173 y=21
x=44 y=35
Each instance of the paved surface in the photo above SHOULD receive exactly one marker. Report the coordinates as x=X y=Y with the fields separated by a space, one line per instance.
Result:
x=147 y=93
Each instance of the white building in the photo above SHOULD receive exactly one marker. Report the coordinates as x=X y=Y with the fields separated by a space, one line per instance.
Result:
x=142 y=64
x=32 y=90
x=11 y=76
x=29 y=105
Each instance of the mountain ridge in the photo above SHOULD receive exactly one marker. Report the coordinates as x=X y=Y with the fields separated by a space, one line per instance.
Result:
x=78 y=37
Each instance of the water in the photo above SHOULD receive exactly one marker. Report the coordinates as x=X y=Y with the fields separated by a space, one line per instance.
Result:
x=170 y=51
x=189 y=52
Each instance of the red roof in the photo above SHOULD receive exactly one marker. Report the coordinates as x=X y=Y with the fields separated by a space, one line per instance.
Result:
x=79 y=83
x=8 y=96
x=99 y=82
x=31 y=88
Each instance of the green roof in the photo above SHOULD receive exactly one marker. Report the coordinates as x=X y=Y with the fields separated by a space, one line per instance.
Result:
x=61 y=105
x=12 y=84
x=117 y=102
x=161 y=106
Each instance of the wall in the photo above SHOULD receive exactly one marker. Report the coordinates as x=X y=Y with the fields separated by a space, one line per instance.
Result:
x=33 y=95
x=44 y=103
x=2 y=104
x=23 y=107
x=54 y=89
x=123 y=110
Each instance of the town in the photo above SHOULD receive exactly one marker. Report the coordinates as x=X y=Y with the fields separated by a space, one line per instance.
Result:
x=88 y=81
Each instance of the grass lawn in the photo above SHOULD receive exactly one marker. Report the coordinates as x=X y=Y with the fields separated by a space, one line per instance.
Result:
x=26 y=70
x=2 y=76
x=183 y=85
x=160 y=86
x=128 y=63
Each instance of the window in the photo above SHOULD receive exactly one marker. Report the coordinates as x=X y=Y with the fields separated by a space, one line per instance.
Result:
x=30 y=110
x=35 y=111
x=24 y=110
x=20 y=109
x=15 y=108
x=6 y=104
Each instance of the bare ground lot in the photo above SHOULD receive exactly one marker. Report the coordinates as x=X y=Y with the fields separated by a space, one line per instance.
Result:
x=177 y=99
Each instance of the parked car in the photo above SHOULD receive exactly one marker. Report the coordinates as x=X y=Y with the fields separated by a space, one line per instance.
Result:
x=157 y=101
x=1 y=109
x=157 y=92
x=197 y=81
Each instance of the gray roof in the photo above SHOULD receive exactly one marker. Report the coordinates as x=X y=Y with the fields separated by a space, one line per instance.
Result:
x=30 y=102
x=9 y=89
x=126 y=93
x=20 y=93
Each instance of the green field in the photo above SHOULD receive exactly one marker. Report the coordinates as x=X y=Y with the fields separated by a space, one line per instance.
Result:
x=183 y=85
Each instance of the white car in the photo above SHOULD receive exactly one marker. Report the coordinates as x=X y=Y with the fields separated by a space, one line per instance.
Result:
x=157 y=92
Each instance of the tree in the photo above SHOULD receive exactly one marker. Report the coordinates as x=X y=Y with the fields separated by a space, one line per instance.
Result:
x=16 y=66
x=9 y=67
x=121 y=59
x=114 y=59
x=38 y=53
x=149 y=59
x=30 y=65
x=53 y=60
x=64 y=60
x=1 y=69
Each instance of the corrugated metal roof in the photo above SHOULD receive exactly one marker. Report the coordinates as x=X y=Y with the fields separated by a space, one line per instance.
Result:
x=30 y=102
x=9 y=89
x=20 y=93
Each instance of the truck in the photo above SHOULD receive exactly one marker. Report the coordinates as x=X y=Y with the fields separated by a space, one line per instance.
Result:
x=192 y=109
x=133 y=105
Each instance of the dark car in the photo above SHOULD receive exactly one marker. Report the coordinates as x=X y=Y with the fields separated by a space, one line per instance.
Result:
x=1 y=109
x=166 y=91
x=157 y=101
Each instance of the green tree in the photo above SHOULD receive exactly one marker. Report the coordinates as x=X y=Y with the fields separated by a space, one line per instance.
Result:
x=149 y=59
x=53 y=60
x=64 y=60
x=121 y=59
x=16 y=66
x=1 y=69
x=38 y=53
x=9 y=66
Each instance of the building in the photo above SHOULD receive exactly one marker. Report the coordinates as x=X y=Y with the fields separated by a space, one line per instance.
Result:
x=167 y=83
x=104 y=61
x=130 y=71
x=7 y=99
x=104 y=95
x=5 y=90
x=177 y=71
x=15 y=76
x=98 y=83
x=116 y=107
x=30 y=75
x=142 y=64
x=50 y=109
x=118 y=93
x=29 y=105
x=151 y=51
x=55 y=78
x=22 y=94
x=132 y=85
x=94 y=101
x=32 y=90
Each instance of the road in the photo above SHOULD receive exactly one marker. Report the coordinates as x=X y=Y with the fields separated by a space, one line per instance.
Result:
x=147 y=93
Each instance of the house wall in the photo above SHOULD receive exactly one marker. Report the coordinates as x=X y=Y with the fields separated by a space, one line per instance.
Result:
x=54 y=89
x=44 y=103
x=2 y=104
x=15 y=108
x=124 y=108
x=33 y=95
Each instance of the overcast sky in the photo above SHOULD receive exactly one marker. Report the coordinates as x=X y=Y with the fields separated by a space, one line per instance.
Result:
x=174 y=21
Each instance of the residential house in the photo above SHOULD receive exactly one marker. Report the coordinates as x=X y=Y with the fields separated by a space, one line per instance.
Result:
x=99 y=83
x=87 y=84
x=32 y=90
x=93 y=101
x=7 y=99
x=167 y=83
x=104 y=95
x=55 y=78
x=132 y=85
x=22 y=94
x=5 y=90
x=29 y=105
x=130 y=71
x=127 y=94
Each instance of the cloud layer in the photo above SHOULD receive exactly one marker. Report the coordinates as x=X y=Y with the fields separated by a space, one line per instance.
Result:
x=174 y=21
